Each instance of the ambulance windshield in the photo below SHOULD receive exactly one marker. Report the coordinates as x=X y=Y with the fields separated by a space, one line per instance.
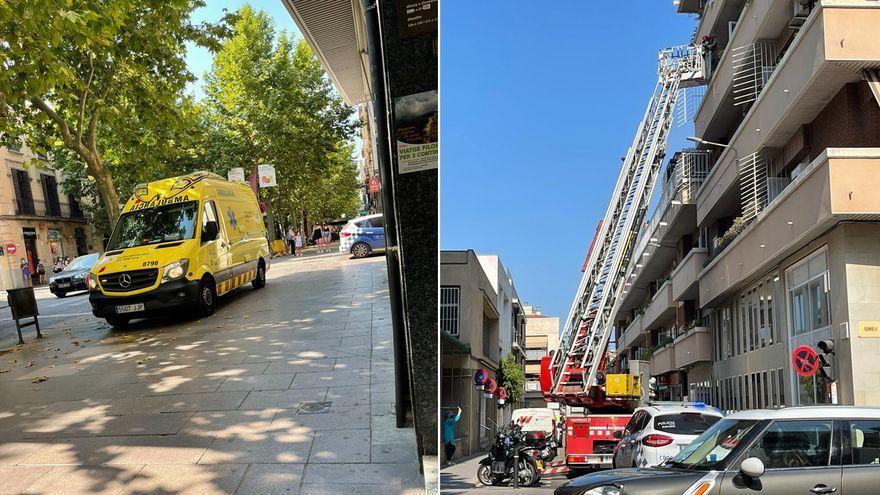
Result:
x=172 y=222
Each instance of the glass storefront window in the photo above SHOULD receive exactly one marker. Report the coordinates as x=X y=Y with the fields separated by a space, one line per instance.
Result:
x=798 y=300
x=55 y=244
x=810 y=321
x=818 y=303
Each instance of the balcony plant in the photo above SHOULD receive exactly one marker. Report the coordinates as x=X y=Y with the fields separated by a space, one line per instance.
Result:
x=720 y=243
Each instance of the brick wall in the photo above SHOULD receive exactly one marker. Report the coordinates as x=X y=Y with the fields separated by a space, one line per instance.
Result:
x=851 y=119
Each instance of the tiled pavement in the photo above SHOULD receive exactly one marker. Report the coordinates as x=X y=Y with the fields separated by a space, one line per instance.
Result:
x=218 y=405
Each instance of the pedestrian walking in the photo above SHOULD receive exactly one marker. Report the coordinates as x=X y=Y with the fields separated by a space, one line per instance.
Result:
x=58 y=267
x=25 y=268
x=290 y=237
x=41 y=272
x=449 y=433
x=298 y=244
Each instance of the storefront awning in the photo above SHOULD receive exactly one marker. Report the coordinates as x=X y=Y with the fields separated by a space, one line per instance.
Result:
x=335 y=31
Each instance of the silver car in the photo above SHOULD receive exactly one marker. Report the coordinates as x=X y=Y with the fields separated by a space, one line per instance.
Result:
x=798 y=450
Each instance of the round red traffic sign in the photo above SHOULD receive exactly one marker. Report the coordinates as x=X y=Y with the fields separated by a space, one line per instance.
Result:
x=10 y=248
x=805 y=360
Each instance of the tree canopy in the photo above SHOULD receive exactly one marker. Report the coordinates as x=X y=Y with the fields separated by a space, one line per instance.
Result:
x=268 y=101
x=100 y=87
x=100 y=79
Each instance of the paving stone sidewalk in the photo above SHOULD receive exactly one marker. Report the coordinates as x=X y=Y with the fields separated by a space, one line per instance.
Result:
x=287 y=390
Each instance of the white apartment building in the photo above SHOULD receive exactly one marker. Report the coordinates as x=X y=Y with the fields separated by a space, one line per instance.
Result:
x=772 y=240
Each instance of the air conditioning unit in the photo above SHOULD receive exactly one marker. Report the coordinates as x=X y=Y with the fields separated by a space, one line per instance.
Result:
x=801 y=10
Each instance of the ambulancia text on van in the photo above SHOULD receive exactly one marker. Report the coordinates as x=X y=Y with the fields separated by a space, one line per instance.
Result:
x=180 y=243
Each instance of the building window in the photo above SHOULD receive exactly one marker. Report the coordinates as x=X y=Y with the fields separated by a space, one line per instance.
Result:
x=50 y=195
x=24 y=199
x=810 y=321
x=450 y=309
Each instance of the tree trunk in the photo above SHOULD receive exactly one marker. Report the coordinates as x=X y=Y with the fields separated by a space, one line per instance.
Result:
x=104 y=184
x=305 y=225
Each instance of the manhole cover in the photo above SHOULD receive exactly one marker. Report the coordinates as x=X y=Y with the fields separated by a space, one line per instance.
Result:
x=314 y=408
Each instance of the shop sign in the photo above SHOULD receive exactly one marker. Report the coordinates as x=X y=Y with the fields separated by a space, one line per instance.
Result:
x=267 y=175
x=374 y=184
x=236 y=175
x=416 y=17
x=869 y=329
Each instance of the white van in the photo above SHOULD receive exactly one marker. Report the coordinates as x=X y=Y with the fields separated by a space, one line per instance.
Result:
x=537 y=419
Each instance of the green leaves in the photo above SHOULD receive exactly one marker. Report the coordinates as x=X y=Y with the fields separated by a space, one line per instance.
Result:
x=268 y=101
x=512 y=377
x=94 y=74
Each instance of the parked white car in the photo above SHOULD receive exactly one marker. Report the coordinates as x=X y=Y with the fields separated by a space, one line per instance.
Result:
x=658 y=432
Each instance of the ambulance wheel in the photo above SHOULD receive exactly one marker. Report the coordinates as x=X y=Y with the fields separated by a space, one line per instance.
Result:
x=260 y=281
x=207 y=298
x=117 y=323
x=360 y=250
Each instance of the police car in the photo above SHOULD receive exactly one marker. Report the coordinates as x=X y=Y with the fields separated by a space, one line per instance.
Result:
x=658 y=431
x=809 y=450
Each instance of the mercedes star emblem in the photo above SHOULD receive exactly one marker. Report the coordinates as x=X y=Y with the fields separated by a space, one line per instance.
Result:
x=124 y=280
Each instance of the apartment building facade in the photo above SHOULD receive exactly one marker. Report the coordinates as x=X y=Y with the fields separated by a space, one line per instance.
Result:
x=36 y=216
x=542 y=339
x=786 y=223
x=481 y=322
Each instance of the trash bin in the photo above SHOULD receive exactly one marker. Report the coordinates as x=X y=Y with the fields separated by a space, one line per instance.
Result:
x=23 y=304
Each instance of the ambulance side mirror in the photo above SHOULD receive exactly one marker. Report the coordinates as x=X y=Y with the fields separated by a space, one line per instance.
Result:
x=210 y=231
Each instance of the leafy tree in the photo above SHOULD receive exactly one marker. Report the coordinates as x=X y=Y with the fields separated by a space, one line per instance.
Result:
x=513 y=378
x=268 y=101
x=87 y=74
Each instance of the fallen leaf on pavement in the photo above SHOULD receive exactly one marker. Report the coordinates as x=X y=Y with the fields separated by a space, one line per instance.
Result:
x=29 y=364
x=4 y=371
x=40 y=379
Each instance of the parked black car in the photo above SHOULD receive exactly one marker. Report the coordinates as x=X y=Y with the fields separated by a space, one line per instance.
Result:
x=73 y=277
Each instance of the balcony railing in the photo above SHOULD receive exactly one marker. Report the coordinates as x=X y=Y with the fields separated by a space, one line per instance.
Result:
x=39 y=208
x=691 y=167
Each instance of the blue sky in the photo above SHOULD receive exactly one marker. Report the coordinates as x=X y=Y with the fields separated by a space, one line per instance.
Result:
x=199 y=59
x=538 y=105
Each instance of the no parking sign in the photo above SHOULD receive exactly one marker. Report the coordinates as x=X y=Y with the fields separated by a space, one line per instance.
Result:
x=805 y=361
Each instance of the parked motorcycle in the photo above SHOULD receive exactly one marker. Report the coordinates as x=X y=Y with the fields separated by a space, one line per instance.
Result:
x=541 y=447
x=510 y=454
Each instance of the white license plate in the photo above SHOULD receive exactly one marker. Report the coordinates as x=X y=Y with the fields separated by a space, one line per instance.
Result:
x=129 y=308
x=63 y=286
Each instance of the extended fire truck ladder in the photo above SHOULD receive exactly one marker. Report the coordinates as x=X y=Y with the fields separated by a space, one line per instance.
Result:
x=588 y=327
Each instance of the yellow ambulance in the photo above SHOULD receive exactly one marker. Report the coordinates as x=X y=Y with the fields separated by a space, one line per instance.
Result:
x=180 y=243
